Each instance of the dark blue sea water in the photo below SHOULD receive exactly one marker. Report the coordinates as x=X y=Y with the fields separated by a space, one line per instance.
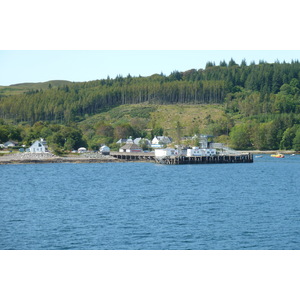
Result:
x=150 y=206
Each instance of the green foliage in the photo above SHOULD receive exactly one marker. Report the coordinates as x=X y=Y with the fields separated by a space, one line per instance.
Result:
x=261 y=104
x=296 y=141
x=240 y=137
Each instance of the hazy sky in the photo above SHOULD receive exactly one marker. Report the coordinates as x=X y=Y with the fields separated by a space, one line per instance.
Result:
x=21 y=66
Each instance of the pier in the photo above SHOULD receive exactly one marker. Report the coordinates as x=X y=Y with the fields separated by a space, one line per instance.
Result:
x=184 y=160
x=132 y=156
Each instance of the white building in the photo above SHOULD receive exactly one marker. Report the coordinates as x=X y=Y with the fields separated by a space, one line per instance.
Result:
x=165 y=152
x=196 y=151
x=39 y=147
x=131 y=147
x=160 y=141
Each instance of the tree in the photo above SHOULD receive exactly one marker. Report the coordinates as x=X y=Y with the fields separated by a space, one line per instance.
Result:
x=232 y=63
x=287 y=139
x=178 y=129
x=105 y=130
x=209 y=64
x=240 y=137
x=157 y=131
x=296 y=141
x=4 y=133
x=244 y=63
x=223 y=63
x=123 y=131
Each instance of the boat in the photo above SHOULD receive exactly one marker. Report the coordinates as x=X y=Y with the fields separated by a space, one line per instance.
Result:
x=278 y=155
x=258 y=156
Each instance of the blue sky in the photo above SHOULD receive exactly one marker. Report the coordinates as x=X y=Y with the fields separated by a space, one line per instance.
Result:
x=19 y=66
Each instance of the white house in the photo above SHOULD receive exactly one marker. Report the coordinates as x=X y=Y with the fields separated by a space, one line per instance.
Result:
x=160 y=141
x=165 y=152
x=131 y=147
x=39 y=147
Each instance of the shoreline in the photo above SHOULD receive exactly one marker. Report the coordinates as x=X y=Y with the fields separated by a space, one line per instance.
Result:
x=272 y=151
x=48 y=158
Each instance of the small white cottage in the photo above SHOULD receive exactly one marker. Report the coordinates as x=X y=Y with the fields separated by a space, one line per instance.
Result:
x=39 y=147
x=160 y=141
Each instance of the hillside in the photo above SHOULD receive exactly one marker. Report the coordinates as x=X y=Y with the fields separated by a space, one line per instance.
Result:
x=145 y=118
x=248 y=106
x=22 y=88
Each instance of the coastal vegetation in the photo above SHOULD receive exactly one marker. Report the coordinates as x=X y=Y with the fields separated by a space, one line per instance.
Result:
x=255 y=106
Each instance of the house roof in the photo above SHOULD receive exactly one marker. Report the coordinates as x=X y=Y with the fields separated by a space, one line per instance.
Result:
x=11 y=142
x=121 y=141
x=163 y=139
x=138 y=140
x=131 y=146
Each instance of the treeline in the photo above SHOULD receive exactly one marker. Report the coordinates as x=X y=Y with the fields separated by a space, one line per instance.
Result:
x=261 y=102
x=73 y=102
x=212 y=85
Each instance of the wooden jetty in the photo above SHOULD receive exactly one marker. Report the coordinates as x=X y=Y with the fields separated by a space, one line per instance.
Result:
x=182 y=160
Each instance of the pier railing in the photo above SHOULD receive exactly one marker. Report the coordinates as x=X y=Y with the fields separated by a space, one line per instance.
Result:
x=181 y=160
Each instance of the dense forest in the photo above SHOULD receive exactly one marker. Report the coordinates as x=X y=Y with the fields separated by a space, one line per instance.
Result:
x=261 y=103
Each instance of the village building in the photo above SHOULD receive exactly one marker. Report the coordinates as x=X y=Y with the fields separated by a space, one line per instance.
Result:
x=160 y=141
x=125 y=141
x=131 y=147
x=10 y=144
x=165 y=152
x=196 y=151
x=39 y=147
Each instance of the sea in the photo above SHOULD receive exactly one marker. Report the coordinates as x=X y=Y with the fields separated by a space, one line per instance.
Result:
x=147 y=206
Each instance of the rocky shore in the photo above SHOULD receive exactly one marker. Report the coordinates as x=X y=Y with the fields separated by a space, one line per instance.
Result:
x=31 y=158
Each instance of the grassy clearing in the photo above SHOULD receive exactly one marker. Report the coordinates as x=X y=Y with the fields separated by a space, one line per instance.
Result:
x=191 y=117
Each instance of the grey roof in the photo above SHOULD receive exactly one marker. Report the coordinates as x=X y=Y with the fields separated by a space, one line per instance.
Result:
x=138 y=140
x=121 y=141
x=164 y=139
x=131 y=146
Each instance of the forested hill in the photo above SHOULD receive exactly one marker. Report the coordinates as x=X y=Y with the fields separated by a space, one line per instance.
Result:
x=250 y=89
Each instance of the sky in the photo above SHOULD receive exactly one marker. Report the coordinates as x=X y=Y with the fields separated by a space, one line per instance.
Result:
x=20 y=66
